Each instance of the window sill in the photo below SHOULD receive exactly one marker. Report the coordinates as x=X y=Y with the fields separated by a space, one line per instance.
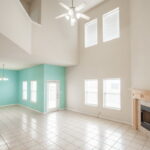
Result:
x=112 y=108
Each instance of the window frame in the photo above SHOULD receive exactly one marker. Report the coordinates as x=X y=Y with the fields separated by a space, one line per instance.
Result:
x=31 y=91
x=24 y=90
x=103 y=24
x=97 y=94
x=85 y=32
x=120 y=95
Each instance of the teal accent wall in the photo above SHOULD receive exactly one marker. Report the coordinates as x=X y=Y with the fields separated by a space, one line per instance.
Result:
x=52 y=72
x=9 y=89
x=34 y=73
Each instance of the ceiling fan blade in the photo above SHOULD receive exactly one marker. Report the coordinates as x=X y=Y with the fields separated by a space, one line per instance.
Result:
x=64 y=6
x=61 y=16
x=84 y=16
x=80 y=7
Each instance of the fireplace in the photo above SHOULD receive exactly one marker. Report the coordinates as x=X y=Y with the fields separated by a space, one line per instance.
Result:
x=145 y=117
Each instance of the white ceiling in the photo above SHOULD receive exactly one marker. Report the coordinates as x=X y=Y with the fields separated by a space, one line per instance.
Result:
x=88 y=3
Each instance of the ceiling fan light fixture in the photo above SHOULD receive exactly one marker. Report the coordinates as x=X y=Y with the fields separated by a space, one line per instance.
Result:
x=73 y=21
x=78 y=15
x=67 y=17
x=73 y=13
x=3 y=78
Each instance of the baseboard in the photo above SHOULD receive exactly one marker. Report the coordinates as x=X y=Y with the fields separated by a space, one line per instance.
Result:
x=115 y=120
x=102 y=117
x=31 y=109
x=88 y=114
x=8 y=105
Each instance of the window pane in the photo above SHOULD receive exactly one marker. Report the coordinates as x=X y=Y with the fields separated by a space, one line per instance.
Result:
x=111 y=25
x=33 y=85
x=91 y=92
x=112 y=86
x=24 y=90
x=91 y=33
x=112 y=100
x=111 y=93
x=33 y=91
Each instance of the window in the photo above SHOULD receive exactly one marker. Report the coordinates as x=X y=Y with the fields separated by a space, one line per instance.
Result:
x=91 y=33
x=91 y=92
x=24 y=90
x=111 y=25
x=33 y=91
x=111 y=94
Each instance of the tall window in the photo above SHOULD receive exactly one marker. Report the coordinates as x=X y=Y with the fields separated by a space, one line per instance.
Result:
x=91 y=33
x=91 y=92
x=33 y=93
x=24 y=90
x=111 y=25
x=111 y=93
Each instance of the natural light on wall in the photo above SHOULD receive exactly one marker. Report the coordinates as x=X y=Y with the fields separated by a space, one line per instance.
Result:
x=111 y=25
x=91 y=33
x=111 y=93
x=91 y=92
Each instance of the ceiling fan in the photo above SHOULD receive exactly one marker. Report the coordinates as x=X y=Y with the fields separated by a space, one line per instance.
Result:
x=73 y=13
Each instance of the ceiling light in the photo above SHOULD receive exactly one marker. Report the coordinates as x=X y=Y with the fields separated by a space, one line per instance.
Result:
x=3 y=78
x=73 y=13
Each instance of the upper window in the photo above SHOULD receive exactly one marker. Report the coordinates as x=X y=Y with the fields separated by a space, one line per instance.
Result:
x=91 y=33
x=91 y=92
x=24 y=90
x=111 y=25
x=111 y=94
x=33 y=91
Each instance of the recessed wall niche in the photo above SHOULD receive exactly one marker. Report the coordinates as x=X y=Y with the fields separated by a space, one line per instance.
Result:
x=33 y=8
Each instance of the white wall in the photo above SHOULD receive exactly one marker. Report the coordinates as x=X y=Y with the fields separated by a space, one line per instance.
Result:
x=105 y=60
x=15 y=23
x=55 y=40
x=140 y=43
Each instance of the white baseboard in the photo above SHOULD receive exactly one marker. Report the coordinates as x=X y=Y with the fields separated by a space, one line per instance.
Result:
x=102 y=117
x=88 y=114
x=8 y=105
x=30 y=108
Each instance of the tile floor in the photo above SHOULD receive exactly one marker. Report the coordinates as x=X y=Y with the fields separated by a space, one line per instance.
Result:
x=22 y=129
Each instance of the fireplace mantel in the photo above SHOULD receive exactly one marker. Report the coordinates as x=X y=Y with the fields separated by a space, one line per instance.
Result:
x=138 y=95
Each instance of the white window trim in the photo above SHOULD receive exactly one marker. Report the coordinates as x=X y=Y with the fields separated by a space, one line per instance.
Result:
x=31 y=92
x=92 y=105
x=113 y=108
x=110 y=13
x=88 y=23
x=24 y=99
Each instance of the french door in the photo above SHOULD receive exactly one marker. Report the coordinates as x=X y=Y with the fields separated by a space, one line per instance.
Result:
x=52 y=95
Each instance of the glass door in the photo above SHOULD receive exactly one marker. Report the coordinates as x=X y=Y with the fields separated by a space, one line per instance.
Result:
x=52 y=95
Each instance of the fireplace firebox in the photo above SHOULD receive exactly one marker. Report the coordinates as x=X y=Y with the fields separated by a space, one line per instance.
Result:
x=145 y=117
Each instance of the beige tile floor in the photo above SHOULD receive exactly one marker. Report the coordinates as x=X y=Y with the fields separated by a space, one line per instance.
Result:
x=22 y=129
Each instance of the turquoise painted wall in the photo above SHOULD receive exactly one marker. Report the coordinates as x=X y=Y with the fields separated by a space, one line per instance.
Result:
x=52 y=72
x=34 y=73
x=9 y=89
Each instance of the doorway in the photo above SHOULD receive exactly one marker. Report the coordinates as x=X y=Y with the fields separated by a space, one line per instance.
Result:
x=52 y=95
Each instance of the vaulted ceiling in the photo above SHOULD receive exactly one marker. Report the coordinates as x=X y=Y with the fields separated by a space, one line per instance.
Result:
x=53 y=42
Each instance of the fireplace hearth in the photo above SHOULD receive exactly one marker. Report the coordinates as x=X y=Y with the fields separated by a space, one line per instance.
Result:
x=145 y=117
